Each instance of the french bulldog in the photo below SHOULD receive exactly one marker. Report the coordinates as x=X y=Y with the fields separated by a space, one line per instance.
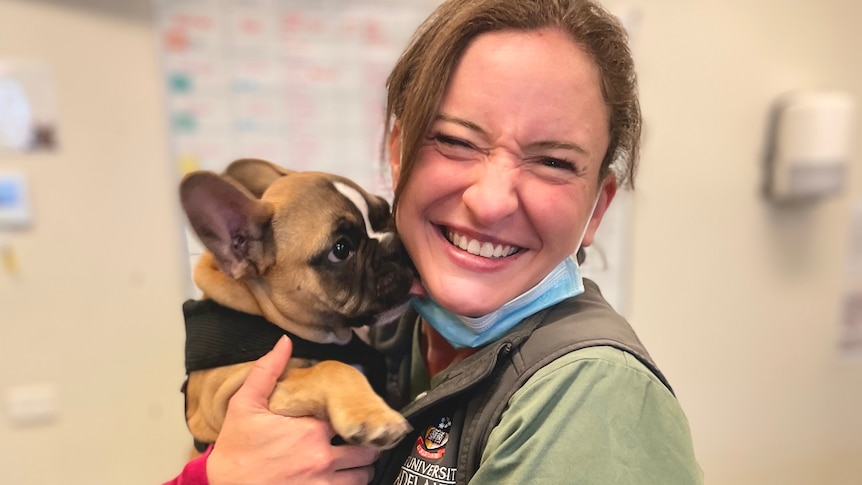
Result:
x=308 y=254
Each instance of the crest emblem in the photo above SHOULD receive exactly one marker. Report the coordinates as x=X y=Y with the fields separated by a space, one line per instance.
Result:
x=432 y=444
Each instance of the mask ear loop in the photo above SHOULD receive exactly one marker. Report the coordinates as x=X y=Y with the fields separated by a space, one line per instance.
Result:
x=580 y=254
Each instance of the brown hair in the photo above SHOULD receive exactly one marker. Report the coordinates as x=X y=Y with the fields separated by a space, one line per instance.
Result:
x=419 y=80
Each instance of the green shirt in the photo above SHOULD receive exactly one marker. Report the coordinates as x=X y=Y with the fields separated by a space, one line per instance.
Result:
x=594 y=416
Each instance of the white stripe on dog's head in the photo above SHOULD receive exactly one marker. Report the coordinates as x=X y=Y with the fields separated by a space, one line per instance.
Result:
x=359 y=201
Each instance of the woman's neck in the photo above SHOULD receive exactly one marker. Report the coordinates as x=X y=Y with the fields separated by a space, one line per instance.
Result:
x=437 y=353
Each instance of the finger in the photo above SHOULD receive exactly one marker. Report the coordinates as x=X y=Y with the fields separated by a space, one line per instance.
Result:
x=347 y=457
x=354 y=476
x=265 y=373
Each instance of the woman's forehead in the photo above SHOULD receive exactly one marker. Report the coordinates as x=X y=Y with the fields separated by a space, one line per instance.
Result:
x=537 y=85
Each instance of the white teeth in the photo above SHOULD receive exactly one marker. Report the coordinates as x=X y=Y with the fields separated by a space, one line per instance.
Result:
x=460 y=241
x=486 y=250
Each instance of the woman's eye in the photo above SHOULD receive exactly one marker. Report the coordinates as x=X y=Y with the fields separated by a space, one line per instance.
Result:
x=454 y=147
x=553 y=169
x=560 y=163
x=451 y=140
x=340 y=251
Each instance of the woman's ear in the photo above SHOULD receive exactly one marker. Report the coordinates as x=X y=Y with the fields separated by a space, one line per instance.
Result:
x=606 y=194
x=395 y=153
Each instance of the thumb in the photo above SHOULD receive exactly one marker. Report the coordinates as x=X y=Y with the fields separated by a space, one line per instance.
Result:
x=259 y=384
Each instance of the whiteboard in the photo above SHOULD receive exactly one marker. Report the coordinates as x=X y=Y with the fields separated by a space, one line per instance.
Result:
x=300 y=83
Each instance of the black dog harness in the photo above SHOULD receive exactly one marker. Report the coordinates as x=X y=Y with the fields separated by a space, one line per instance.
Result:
x=217 y=336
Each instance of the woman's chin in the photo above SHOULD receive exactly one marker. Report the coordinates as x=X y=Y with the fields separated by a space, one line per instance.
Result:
x=469 y=294
x=458 y=305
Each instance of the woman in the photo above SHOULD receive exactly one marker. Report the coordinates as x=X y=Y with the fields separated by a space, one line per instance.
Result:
x=505 y=119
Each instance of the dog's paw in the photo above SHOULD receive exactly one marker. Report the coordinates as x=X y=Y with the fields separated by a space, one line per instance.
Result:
x=379 y=427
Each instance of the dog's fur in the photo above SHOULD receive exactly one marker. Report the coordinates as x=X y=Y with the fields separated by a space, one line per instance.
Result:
x=311 y=253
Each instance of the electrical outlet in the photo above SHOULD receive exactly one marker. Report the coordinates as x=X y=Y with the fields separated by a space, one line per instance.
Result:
x=32 y=405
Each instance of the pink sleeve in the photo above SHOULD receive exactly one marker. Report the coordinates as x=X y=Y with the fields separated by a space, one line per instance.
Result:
x=194 y=473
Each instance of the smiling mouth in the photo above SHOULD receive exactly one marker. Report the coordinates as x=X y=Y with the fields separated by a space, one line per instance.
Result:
x=479 y=248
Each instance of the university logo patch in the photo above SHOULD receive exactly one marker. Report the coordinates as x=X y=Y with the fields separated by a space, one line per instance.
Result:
x=432 y=445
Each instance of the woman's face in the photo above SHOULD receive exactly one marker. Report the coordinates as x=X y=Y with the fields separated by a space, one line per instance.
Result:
x=503 y=186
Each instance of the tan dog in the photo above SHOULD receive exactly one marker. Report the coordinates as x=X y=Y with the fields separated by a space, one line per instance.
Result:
x=303 y=252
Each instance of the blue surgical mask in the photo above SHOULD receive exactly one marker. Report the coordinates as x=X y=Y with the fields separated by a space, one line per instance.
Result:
x=564 y=281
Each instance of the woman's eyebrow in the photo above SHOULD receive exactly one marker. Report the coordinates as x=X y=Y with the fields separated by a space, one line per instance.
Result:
x=460 y=121
x=558 y=145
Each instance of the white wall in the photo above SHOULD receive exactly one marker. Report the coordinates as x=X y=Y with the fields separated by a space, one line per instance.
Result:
x=95 y=307
x=736 y=300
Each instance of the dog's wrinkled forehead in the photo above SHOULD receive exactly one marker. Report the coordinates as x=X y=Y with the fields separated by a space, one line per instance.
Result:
x=357 y=199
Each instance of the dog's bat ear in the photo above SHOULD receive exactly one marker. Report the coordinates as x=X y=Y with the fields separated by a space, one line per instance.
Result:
x=254 y=174
x=379 y=213
x=233 y=226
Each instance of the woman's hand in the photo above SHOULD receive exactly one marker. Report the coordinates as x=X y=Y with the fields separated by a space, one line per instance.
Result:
x=256 y=446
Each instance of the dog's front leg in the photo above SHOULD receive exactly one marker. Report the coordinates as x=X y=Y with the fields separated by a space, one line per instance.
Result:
x=340 y=393
x=207 y=395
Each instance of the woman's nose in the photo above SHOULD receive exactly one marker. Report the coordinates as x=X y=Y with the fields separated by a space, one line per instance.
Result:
x=492 y=195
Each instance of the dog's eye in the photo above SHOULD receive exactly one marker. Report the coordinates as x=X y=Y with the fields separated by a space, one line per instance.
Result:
x=342 y=250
